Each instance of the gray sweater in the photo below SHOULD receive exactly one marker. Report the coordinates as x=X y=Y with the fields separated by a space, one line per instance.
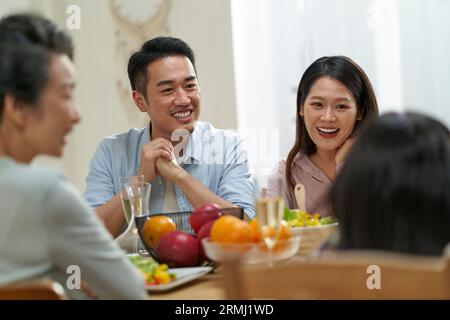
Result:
x=45 y=227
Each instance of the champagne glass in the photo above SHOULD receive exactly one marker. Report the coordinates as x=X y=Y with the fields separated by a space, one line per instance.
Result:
x=128 y=240
x=270 y=209
x=126 y=206
x=139 y=198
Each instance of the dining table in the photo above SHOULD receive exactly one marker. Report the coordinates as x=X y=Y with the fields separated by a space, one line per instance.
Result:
x=212 y=285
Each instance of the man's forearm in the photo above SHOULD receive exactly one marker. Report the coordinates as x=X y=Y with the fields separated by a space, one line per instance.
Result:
x=198 y=194
x=111 y=213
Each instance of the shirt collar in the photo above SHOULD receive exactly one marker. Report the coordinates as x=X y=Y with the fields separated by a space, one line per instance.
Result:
x=195 y=145
x=304 y=162
x=145 y=137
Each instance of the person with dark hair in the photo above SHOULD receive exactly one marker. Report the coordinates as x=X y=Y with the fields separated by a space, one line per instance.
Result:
x=393 y=191
x=333 y=98
x=45 y=226
x=188 y=162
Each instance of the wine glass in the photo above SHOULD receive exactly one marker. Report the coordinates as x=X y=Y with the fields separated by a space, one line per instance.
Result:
x=124 y=194
x=270 y=209
x=139 y=198
x=128 y=240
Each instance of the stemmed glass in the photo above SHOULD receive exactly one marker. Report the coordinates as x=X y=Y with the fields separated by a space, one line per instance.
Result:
x=139 y=198
x=124 y=195
x=128 y=240
x=270 y=209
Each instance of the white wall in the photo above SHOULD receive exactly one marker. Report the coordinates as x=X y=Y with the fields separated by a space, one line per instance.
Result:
x=204 y=24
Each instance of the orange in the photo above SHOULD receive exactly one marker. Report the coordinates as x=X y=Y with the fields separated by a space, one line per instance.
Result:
x=285 y=231
x=155 y=228
x=257 y=235
x=283 y=234
x=229 y=229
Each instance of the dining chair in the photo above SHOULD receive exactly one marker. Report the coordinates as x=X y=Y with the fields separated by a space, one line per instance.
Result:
x=33 y=290
x=342 y=275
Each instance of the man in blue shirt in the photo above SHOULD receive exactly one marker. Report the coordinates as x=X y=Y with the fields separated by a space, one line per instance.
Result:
x=188 y=162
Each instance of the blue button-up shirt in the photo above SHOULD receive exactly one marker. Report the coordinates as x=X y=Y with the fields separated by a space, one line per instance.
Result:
x=217 y=158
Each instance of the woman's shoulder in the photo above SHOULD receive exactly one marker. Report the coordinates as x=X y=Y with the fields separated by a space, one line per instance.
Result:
x=18 y=173
x=28 y=190
x=30 y=181
x=43 y=177
x=282 y=164
x=299 y=159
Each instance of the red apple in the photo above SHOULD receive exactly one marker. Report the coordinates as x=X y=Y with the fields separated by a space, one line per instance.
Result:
x=178 y=249
x=207 y=212
x=204 y=232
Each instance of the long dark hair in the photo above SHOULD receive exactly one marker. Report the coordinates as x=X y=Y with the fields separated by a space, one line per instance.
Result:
x=352 y=76
x=393 y=192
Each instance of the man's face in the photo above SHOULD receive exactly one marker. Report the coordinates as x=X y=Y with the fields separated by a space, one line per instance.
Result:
x=173 y=96
x=57 y=113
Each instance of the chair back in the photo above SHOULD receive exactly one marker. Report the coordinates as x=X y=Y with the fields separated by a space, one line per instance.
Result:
x=33 y=290
x=342 y=275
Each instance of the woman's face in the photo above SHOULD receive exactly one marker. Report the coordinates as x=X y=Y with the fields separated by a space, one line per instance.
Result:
x=330 y=113
x=57 y=113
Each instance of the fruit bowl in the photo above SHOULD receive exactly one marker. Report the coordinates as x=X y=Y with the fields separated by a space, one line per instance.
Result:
x=313 y=237
x=252 y=253
x=181 y=221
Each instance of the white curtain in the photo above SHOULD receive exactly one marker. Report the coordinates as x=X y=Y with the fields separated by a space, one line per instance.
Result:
x=403 y=46
x=425 y=56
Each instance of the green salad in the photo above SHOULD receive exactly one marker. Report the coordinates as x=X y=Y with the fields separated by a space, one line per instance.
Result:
x=154 y=272
x=297 y=218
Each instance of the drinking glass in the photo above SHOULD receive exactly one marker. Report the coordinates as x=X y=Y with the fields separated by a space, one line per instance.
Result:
x=129 y=240
x=124 y=194
x=270 y=209
x=139 y=199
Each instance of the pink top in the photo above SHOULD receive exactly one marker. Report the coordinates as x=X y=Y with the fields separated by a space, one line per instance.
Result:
x=316 y=185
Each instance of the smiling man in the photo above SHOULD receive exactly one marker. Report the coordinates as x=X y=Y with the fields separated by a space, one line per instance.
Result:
x=188 y=162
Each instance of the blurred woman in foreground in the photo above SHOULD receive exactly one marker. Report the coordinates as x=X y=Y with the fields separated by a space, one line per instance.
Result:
x=393 y=193
x=45 y=227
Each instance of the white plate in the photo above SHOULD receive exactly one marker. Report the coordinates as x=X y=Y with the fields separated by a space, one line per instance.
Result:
x=183 y=275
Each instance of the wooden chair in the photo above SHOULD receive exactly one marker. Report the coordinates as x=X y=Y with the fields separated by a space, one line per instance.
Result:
x=342 y=276
x=33 y=290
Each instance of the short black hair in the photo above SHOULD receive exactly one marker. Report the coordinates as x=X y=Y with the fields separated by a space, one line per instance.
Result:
x=393 y=192
x=152 y=50
x=26 y=42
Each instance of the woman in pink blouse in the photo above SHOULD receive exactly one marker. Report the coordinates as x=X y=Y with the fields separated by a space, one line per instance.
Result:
x=333 y=98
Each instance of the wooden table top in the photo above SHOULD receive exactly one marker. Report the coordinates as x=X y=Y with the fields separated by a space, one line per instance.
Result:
x=208 y=287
